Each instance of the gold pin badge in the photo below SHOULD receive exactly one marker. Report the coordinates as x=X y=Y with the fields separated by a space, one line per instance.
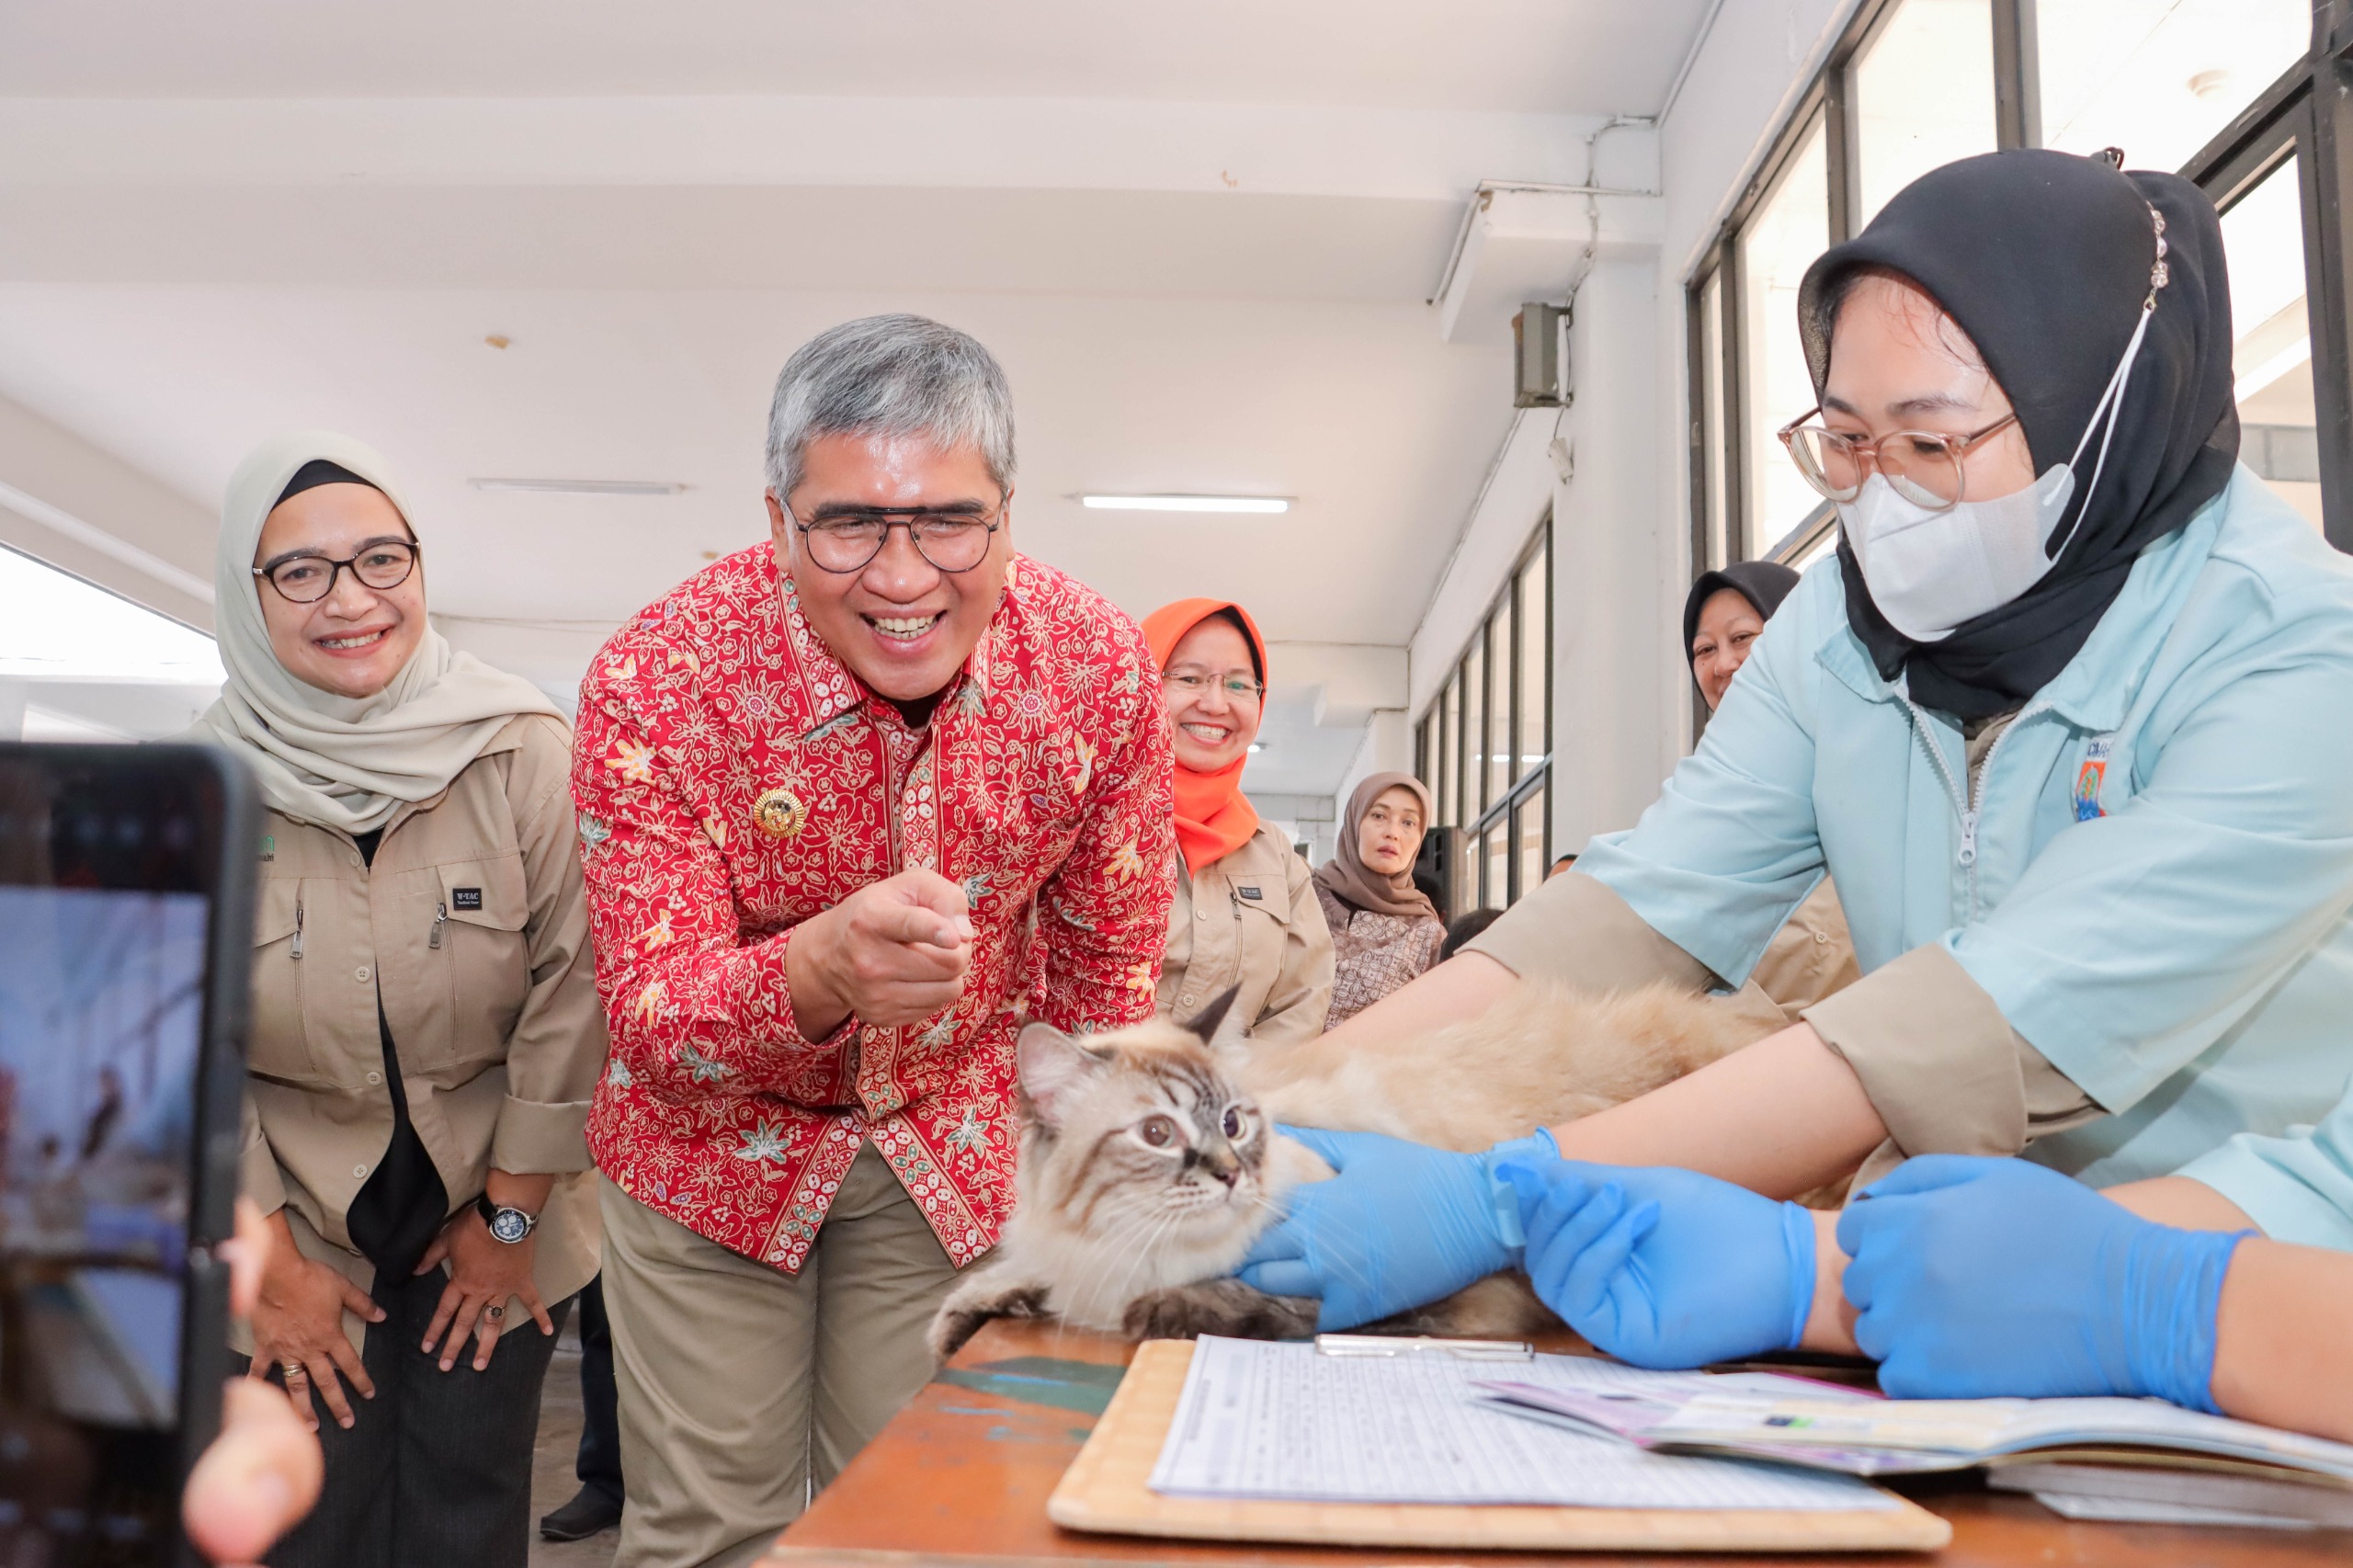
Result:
x=779 y=812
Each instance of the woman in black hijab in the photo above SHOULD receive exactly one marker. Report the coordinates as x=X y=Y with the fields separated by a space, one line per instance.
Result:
x=2071 y=726
x=1722 y=616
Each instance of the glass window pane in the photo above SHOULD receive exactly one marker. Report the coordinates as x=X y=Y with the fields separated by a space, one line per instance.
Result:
x=2271 y=359
x=1474 y=730
x=1711 y=416
x=1535 y=678
x=2159 y=78
x=1501 y=763
x=1788 y=231
x=1530 y=813
x=1923 y=95
x=1494 y=886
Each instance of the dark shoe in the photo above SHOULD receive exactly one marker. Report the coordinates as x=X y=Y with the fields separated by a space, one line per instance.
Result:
x=589 y=1512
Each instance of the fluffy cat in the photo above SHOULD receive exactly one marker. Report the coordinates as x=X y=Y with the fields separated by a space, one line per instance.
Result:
x=1149 y=1163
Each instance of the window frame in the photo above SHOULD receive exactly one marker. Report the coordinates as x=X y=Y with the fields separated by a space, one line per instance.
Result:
x=1505 y=675
x=2306 y=112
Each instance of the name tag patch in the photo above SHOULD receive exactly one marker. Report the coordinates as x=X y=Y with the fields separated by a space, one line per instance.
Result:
x=1251 y=894
x=465 y=898
x=2092 y=775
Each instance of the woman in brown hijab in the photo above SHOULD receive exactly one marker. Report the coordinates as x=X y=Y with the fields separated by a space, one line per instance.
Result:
x=1385 y=931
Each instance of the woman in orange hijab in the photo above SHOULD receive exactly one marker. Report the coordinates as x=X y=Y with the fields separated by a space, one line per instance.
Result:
x=1245 y=916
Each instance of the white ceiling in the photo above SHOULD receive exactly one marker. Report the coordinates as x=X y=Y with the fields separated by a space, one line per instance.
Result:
x=1587 y=56
x=1186 y=296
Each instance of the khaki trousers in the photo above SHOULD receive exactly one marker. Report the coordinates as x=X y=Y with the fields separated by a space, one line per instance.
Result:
x=743 y=1390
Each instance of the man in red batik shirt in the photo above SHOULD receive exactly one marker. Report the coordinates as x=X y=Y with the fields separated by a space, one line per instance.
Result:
x=852 y=804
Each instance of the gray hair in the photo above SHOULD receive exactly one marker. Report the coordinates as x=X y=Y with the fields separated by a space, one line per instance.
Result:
x=895 y=375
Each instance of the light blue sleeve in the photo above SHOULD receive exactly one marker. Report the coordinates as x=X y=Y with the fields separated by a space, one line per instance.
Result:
x=2298 y=1187
x=1730 y=848
x=2135 y=941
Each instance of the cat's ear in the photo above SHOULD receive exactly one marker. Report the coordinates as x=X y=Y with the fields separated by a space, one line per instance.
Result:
x=1051 y=1067
x=1205 y=1022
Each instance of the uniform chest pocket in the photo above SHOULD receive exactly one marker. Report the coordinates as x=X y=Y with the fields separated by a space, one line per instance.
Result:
x=279 y=1045
x=479 y=937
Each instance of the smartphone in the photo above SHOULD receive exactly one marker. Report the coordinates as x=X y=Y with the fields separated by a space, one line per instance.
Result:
x=126 y=918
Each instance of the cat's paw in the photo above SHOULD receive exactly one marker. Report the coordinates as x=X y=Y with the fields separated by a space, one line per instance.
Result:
x=1218 y=1306
x=972 y=1304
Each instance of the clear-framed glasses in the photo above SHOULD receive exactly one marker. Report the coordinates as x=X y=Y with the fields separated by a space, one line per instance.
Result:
x=1922 y=466
x=1192 y=683
x=307 y=579
x=951 y=540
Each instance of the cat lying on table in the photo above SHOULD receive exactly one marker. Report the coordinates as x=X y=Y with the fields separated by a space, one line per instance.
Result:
x=1149 y=1161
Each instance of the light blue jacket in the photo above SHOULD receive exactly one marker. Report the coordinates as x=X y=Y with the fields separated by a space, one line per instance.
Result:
x=2182 y=952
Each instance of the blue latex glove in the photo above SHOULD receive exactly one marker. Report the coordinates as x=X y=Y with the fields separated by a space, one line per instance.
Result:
x=1400 y=1226
x=1978 y=1277
x=1665 y=1268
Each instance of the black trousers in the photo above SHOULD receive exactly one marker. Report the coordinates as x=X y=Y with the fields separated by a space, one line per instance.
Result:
x=437 y=1469
x=599 y=1465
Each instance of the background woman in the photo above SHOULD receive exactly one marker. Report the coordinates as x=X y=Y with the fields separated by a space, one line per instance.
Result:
x=425 y=1030
x=1245 y=913
x=1384 y=930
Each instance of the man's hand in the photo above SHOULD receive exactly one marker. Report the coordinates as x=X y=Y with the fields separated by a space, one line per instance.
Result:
x=298 y=1327
x=894 y=952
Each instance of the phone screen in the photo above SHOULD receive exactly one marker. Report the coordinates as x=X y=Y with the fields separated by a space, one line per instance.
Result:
x=110 y=874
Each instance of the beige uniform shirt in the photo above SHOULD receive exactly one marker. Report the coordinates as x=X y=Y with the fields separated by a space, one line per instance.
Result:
x=1811 y=957
x=471 y=925
x=1250 y=920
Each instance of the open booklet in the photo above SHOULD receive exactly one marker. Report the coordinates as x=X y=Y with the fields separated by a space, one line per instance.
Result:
x=2080 y=1456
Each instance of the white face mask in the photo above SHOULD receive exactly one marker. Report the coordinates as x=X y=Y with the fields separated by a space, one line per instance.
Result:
x=1930 y=572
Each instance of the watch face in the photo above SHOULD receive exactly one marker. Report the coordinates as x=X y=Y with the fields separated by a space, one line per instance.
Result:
x=510 y=1225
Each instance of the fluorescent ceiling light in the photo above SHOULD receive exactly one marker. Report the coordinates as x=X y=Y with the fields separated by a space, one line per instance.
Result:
x=579 y=487
x=1187 y=503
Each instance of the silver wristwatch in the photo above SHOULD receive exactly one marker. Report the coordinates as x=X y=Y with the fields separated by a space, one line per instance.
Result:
x=508 y=1225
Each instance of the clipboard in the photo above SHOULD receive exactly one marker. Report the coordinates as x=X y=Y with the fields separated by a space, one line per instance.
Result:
x=1108 y=1490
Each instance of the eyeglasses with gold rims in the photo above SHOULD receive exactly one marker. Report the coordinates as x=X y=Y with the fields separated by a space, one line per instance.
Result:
x=383 y=565
x=1192 y=683
x=951 y=539
x=1923 y=466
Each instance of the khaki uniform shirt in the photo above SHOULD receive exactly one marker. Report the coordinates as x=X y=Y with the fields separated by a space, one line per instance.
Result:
x=471 y=925
x=1812 y=956
x=1250 y=920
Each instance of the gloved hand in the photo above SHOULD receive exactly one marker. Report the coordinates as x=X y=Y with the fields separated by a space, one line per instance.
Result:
x=1401 y=1225
x=1978 y=1277
x=1665 y=1268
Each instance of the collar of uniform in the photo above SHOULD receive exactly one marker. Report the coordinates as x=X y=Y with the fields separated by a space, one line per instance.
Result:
x=832 y=691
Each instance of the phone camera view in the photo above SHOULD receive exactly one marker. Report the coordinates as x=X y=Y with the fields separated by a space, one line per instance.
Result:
x=101 y=1017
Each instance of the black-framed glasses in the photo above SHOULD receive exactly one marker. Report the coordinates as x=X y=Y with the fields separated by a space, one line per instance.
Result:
x=307 y=579
x=1238 y=687
x=1922 y=466
x=951 y=540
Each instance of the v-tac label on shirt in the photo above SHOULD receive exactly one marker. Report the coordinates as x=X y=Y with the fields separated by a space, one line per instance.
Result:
x=465 y=898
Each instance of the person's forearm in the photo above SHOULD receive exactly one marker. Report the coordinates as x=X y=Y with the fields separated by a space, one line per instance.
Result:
x=2284 y=1338
x=2182 y=1202
x=818 y=1009
x=1463 y=987
x=1780 y=1117
x=527 y=1191
x=1830 y=1324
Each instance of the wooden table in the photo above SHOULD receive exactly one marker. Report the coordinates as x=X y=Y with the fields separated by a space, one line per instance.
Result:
x=962 y=1475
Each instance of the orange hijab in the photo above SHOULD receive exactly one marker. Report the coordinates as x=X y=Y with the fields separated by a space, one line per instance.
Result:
x=1214 y=817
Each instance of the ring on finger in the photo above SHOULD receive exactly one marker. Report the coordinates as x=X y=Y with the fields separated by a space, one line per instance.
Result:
x=292 y=1369
x=493 y=1313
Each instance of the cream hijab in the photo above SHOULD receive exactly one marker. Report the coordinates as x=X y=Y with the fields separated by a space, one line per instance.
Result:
x=339 y=761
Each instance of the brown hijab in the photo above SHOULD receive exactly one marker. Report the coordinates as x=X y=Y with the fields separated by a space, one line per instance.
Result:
x=1346 y=876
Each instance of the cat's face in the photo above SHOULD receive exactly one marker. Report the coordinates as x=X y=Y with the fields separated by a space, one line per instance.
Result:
x=1139 y=1130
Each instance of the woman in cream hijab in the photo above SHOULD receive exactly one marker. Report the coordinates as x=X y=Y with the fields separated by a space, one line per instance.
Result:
x=425 y=1029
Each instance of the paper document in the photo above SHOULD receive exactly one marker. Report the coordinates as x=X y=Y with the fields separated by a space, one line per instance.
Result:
x=1259 y=1419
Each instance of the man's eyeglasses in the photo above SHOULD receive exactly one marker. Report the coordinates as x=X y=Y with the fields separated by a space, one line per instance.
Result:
x=1922 y=466
x=307 y=579
x=950 y=540
x=1238 y=688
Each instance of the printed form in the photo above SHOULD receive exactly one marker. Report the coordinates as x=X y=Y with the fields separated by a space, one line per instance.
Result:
x=1260 y=1419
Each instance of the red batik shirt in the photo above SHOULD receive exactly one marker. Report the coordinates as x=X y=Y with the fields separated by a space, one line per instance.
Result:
x=734 y=778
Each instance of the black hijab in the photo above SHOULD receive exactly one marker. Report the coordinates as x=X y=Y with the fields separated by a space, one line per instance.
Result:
x=1764 y=584
x=2043 y=259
